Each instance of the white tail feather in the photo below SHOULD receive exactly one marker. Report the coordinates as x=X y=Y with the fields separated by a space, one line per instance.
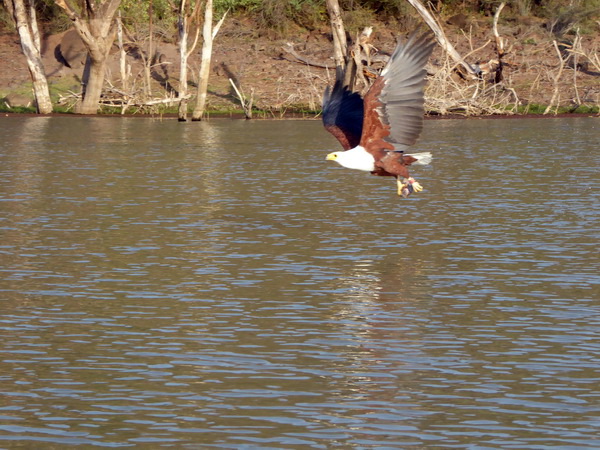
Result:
x=421 y=158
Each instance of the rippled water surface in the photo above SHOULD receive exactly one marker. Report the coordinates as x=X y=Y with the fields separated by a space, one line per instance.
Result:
x=221 y=285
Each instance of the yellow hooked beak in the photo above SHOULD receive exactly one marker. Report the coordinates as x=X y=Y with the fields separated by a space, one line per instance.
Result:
x=331 y=157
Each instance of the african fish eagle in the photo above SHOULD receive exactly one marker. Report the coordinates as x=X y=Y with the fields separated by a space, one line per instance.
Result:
x=376 y=131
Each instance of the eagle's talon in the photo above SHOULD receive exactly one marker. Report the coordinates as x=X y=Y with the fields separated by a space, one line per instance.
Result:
x=416 y=186
x=407 y=186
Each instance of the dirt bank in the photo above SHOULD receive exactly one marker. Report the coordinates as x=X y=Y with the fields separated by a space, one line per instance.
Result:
x=281 y=84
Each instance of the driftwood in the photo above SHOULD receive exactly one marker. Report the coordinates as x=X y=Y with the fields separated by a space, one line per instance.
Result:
x=289 y=48
x=244 y=101
x=561 y=66
x=470 y=72
x=118 y=98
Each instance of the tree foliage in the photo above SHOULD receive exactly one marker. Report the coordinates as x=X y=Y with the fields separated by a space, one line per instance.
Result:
x=279 y=15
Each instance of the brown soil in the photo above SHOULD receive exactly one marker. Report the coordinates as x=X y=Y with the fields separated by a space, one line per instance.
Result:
x=281 y=84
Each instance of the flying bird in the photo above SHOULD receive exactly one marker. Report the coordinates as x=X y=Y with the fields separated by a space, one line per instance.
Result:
x=377 y=131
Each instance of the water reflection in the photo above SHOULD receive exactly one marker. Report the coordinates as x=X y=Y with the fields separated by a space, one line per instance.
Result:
x=218 y=284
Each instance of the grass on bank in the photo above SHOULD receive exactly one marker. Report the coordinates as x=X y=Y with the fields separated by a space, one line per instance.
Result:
x=298 y=111
x=535 y=108
x=63 y=87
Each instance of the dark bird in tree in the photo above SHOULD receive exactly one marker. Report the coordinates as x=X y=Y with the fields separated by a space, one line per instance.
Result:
x=377 y=131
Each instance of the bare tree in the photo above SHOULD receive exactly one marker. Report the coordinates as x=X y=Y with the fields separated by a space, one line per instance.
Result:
x=500 y=44
x=25 y=21
x=208 y=34
x=340 y=43
x=124 y=68
x=95 y=25
x=351 y=59
x=150 y=59
x=187 y=16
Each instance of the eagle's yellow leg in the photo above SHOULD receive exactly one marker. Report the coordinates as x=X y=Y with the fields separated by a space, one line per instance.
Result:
x=407 y=186
x=401 y=187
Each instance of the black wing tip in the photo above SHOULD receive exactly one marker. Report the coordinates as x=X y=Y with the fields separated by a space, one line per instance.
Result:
x=340 y=101
x=343 y=112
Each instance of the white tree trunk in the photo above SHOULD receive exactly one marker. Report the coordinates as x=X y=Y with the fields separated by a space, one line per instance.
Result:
x=208 y=35
x=122 y=55
x=340 y=43
x=30 y=44
x=183 y=57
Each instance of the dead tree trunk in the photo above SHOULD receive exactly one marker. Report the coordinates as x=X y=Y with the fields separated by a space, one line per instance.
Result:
x=150 y=58
x=183 y=25
x=349 y=57
x=208 y=34
x=26 y=24
x=182 y=28
x=500 y=50
x=556 y=93
x=97 y=32
x=340 y=43
x=123 y=67
x=441 y=38
x=93 y=82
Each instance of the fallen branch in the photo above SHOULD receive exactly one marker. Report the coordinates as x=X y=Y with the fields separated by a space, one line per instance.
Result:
x=245 y=102
x=289 y=48
x=446 y=94
x=499 y=40
x=162 y=101
x=441 y=38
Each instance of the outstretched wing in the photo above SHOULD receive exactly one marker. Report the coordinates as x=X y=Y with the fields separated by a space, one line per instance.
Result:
x=343 y=114
x=393 y=107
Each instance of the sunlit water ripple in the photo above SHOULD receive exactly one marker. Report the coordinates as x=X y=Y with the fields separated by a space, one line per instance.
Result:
x=220 y=285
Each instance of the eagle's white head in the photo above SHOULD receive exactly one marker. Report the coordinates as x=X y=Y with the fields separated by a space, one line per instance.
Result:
x=356 y=158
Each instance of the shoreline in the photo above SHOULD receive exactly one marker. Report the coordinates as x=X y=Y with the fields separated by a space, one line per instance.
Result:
x=299 y=116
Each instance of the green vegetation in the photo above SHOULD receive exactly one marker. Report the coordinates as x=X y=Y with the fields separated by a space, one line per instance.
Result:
x=281 y=16
x=17 y=109
x=560 y=16
x=534 y=108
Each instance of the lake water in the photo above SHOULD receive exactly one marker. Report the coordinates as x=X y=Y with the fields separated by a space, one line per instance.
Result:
x=221 y=285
